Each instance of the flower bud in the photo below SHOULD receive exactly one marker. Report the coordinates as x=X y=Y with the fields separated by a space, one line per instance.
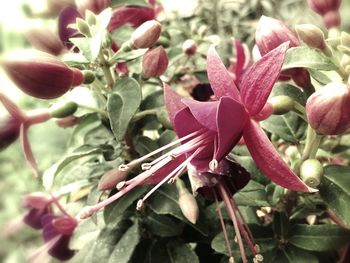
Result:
x=311 y=35
x=146 y=35
x=45 y=40
x=111 y=178
x=281 y=104
x=327 y=109
x=271 y=33
x=311 y=171
x=9 y=131
x=63 y=109
x=332 y=19
x=328 y=9
x=187 y=203
x=96 y=6
x=41 y=75
x=189 y=47
x=154 y=62
x=89 y=76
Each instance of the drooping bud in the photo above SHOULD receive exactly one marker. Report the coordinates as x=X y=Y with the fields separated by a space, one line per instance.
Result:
x=154 y=63
x=311 y=171
x=9 y=131
x=281 y=104
x=111 y=178
x=146 y=35
x=271 y=33
x=45 y=40
x=189 y=47
x=327 y=109
x=311 y=35
x=41 y=75
x=328 y=9
x=96 y=6
x=63 y=109
x=187 y=202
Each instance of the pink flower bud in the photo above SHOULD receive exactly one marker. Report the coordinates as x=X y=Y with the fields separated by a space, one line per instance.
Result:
x=322 y=7
x=311 y=35
x=154 y=63
x=332 y=19
x=327 y=109
x=41 y=75
x=9 y=131
x=45 y=40
x=111 y=178
x=95 y=6
x=271 y=33
x=189 y=47
x=146 y=35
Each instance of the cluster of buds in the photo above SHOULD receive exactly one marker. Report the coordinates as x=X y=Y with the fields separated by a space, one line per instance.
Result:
x=271 y=33
x=56 y=229
x=328 y=9
x=327 y=109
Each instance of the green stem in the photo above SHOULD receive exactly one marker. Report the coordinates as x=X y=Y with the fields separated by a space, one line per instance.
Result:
x=145 y=113
x=311 y=146
x=300 y=110
x=103 y=113
x=106 y=70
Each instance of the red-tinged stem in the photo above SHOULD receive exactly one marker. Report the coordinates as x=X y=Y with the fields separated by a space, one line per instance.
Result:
x=336 y=220
x=218 y=210
x=225 y=197
x=37 y=117
x=59 y=206
x=27 y=150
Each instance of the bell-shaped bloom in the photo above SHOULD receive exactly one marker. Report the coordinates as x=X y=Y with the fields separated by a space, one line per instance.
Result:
x=132 y=15
x=154 y=62
x=221 y=185
x=95 y=6
x=271 y=33
x=39 y=205
x=209 y=130
x=327 y=109
x=45 y=40
x=328 y=9
x=41 y=75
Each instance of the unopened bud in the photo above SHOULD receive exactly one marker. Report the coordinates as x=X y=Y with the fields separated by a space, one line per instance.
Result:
x=281 y=104
x=332 y=19
x=189 y=47
x=311 y=35
x=311 y=171
x=187 y=202
x=41 y=75
x=112 y=178
x=63 y=109
x=154 y=62
x=327 y=109
x=83 y=27
x=322 y=7
x=89 y=76
x=146 y=35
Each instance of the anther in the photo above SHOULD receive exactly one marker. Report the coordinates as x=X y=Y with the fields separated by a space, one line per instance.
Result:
x=120 y=185
x=213 y=165
x=140 y=205
x=86 y=212
x=146 y=166
x=123 y=167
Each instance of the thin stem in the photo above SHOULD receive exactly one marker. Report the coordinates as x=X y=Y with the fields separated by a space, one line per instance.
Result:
x=311 y=145
x=106 y=70
x=102 y=112
x=145 y=113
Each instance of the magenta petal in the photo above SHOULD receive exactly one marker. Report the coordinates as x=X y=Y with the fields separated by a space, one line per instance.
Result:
x=231 y=118
x=66 y=17
x=12 y=108
x=259 y=79
x=133 y=15
x=185 y=123
x=220 y=80
x=204 y=112
x=240 y=57
x=161 y=173
x=172 y=101
x=27 y=150
x=269 y=161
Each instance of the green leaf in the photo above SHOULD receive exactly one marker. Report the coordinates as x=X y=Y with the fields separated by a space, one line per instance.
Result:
x=128 y=56
x=83 y=44
x=335 y=191
x=290 y=91
x=281 y=224
x=181 y=253
x=125 y=248
x=305 y=57
x=83 y=151
x=319 y=76
x=294 y=254
x=318 y=237
x=253 y=194
x=145 y=145
x=163 y=226
x=289 y=126
x=118 y=207
x=165 y=202
x=122 y=105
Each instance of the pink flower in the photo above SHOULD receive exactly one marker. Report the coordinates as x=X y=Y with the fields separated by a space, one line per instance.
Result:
x=241 y=62
x=39 y=205
x=208 y=134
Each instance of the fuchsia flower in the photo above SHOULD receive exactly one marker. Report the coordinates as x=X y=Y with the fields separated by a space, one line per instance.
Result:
x=39 y=205
x=241 y=62
x=209 y=130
